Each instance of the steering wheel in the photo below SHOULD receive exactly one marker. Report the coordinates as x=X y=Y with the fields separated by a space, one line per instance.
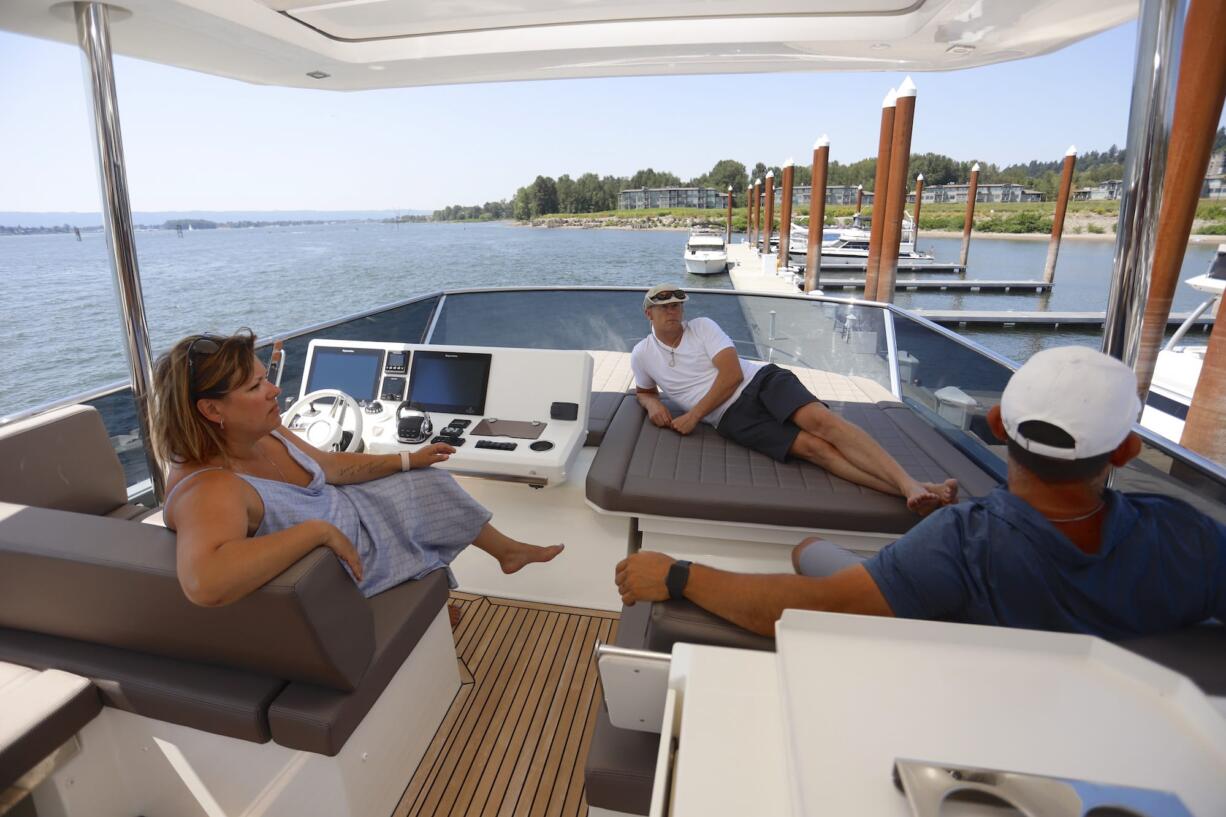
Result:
x=325 y=428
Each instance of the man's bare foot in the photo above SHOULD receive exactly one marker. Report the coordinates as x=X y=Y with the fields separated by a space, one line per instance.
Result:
x=455 y=614
x=515 y=559
x=925 y=497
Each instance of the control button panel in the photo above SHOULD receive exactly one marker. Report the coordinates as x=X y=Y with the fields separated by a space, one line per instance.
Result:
x=397 y=363
x=393 y=388
x=497 y=446
x=450 y=440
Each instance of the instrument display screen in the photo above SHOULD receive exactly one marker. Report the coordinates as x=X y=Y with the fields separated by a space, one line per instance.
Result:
x=353 y=371
x=449 y=382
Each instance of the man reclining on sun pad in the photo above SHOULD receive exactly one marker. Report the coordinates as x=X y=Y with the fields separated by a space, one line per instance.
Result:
x=758 y=405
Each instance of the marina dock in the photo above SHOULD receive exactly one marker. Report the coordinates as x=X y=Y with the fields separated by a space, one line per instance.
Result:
x=832 y=264
x=1050 y=320
x=951 y=285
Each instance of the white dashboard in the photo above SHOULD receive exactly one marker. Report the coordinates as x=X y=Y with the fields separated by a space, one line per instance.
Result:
x=513 y=414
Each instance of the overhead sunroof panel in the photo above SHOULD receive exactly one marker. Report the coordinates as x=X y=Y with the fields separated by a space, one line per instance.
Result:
x=357 y=20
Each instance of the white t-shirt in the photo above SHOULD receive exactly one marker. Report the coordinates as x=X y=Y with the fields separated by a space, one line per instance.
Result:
x=686 y=373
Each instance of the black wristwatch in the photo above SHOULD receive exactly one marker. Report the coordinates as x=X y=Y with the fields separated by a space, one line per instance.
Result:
x=678 y=577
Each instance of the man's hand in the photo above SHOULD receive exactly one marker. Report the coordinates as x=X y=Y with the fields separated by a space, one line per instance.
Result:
x=430 y=454
x=686 y=423
x=659 y=415
x=640 y=577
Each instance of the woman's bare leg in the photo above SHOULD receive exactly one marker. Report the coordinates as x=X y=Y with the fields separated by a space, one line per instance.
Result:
x=511 y=553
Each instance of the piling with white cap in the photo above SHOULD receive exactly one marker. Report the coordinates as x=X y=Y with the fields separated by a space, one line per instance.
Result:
x=817 y=212
x=728 y=228
x=859 y=198
x=879 y=185
x=896 y=191
x=972 y=193
x=752 y=226
x=769 y=202
x=1057 y=224
x=919 y=199
x=785 y=214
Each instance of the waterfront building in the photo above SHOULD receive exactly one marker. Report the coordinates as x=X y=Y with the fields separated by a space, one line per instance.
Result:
x=1214 y=187
x=835 y=194
x=644 y=198
x=995 y=192
x=1103 y=191
x=1217 y=164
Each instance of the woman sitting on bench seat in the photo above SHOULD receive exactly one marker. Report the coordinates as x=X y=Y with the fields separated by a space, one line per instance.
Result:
x=248 y=498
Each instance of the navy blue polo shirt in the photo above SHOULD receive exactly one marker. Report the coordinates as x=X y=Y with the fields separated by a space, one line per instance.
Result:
x=997 y=560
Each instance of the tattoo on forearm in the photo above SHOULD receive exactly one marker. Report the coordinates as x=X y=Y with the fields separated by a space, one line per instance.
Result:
x=368 y=469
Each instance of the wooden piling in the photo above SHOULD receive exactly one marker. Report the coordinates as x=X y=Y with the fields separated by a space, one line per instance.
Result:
x=769 y=204
x=896 y=191
x=1057 y=224
x=971 y=194
x=859 y=198
x=728 y=228
x=758 y=212
x=880 y=182
x=785 y=214
x=817 y=213
x=751 y=198
x=919 y=199
x=1198 y=106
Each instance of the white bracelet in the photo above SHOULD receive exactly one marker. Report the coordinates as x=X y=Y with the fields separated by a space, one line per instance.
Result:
x=406 y=464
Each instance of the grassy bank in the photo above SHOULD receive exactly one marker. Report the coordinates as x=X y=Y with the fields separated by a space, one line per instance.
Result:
x=1084 y=217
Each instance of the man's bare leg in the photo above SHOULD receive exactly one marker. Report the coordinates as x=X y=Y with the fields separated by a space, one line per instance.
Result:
x=512 y=554
x=865 y=454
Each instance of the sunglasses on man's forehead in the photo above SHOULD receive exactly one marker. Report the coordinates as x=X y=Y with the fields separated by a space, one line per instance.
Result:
x=669 y=295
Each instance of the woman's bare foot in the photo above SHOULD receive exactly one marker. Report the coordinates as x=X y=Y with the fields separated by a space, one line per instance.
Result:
x=515 y=559
x=455 y=614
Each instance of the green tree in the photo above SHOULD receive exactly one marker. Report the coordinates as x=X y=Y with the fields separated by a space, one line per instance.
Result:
x=726 y=172
x=543 y=195
x=566 y=195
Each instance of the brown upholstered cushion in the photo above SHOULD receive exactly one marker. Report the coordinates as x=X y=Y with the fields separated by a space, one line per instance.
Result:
x=62 y=459
x=29 y=748
x=1199 y=653
x=213 y=699
x=317 y=719
x=600 y=413
x=113 y=582
x=684 y=621
x=647 y=470
x=621 y=767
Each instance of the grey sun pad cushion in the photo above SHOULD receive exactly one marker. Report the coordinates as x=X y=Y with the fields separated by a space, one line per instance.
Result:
x=641 y=469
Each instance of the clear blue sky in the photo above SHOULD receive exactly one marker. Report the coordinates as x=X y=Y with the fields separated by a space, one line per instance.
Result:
x=200 y=142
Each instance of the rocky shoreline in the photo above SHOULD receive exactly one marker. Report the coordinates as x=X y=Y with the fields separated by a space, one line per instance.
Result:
x=1074 y=229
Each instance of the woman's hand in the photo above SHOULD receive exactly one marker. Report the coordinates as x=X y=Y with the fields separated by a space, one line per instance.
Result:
x=429 y=455
x=345 y=551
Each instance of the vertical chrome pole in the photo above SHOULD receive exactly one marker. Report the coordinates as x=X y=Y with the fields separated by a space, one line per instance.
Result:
x=1159 y=37
x=94 y=37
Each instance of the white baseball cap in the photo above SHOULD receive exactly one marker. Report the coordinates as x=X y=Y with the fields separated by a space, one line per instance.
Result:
x=662 y=294
x=1090 y=396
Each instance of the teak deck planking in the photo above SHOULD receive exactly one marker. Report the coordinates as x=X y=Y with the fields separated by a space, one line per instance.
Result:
x=513 y=742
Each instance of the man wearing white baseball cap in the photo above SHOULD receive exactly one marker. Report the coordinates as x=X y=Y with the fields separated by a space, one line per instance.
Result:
x=758 y=405
x=1055 y=550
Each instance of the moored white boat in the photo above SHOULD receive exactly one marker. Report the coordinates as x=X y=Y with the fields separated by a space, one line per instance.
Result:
x=706 y=254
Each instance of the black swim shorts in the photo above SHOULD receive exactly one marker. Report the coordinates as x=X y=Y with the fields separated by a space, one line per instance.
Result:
x=759 y=419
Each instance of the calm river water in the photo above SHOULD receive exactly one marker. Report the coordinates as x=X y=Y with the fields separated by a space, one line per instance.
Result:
x=61 y=332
